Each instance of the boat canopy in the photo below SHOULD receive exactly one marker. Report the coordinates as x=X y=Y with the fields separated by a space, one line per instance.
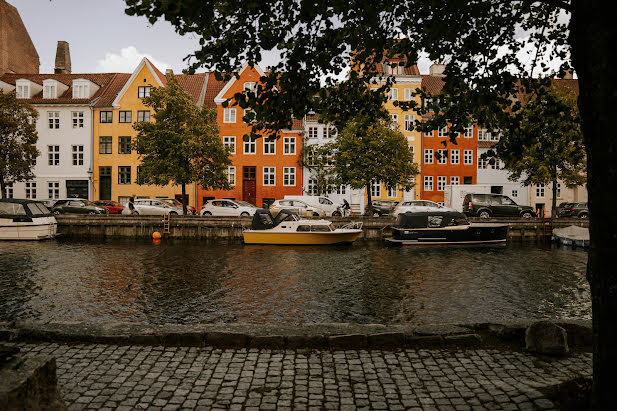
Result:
x=20 y=208
x=263 y=220
x=430 y=219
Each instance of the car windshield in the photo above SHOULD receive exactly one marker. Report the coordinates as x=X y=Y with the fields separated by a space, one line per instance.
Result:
x=245 y=204
x=171 y=201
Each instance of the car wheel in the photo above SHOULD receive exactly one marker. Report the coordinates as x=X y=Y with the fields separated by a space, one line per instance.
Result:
x=526 y=214
x=244 y=214
x=484 y=214
x=56 y=212
x=207 y=213
x=583 y=215
x=173 y=213
x=91 y=212
x=376 y=214
x=336 y=214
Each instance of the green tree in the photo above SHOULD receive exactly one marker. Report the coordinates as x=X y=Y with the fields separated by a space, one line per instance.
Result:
x=18 y=137
x=479 y=41
x=366 y=152
x=182 y=145
x=544 y=142
x=318 y=160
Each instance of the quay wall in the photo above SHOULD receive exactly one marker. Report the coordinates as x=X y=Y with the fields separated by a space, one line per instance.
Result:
x=197 y=227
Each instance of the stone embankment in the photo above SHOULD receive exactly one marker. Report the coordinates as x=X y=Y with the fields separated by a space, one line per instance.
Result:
x=197 y=227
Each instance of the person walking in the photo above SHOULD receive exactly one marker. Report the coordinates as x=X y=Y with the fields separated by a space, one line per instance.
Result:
x=132 y=204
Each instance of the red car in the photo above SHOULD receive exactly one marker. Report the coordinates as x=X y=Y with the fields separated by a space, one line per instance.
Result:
x=114 y=207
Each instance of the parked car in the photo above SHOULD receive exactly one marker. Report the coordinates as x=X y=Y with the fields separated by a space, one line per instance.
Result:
x=494 y=205
x=579 y=210
x=328 y=206
x=382 y=207
x=228 y=208
x=300 y=207
x=77 y=206
x=417 y=206
x=113 y=207
x=152 y=206
x=48 y=203
x=174 y=202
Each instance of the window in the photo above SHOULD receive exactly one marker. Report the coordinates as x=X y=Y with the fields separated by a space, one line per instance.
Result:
x=468 y=157
x=23 y=88
x=9 y=190
x=78 y=155
x=441 y=183
x=393 y=94
x=429 y=133
x=53 y=155
x=49 y=89
x=249 y=116
x=269 y=145
x=408 y=94
x=312 y=132
x=143 y=116
x=31 y=189
x=483 y=134
x=330 y=132
x=312 y=187
x=482 y=163
x=496 y=165
x=375 y=188
x=443 y=157
x=230 y=143
x=229 y=115
x=393 y=67
x=428 y=183
x=428 y=156
x=250 y=86
x=54 y=119
x=81 y=89
x=455 y=181
x=455 y=156
x=231 y=175
x=78 y=119
x=409 y=120
x=558 y=190
x=269 y=176
x=467 y=180
x=53 y=189
x=514 y=193
x=443 y=132
x=469 y=131
x=143 y=91
x=392 y=191
x=250 y=146
x=540 y=190
x=125 y=117
x=105 y=145
x=289 y=145
x=342 y=189
x=124 y=145
x=289 y=176
x=413 y=152
x=124 y=175
x=106 y=117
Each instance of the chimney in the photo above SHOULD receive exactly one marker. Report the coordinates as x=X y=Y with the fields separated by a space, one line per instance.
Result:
x=63 y=58
x=168 y=72
x=437 y=69
x=569 y=75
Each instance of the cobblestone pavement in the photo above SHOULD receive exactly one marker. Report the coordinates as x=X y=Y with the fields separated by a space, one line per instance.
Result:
x=144 y=377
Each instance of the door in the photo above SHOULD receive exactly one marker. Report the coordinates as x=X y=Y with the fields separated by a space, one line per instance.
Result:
x=249 y=185
x=104 y=183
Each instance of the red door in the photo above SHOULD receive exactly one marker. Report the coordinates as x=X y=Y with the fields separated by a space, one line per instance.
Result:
x=249 y=185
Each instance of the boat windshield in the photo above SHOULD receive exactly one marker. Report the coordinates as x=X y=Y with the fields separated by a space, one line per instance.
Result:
x=38 y=209
x=12 y=209
x=315 y=228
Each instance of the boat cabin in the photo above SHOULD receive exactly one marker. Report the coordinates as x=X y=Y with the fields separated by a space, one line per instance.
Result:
x=19 y=210
x=431 y=219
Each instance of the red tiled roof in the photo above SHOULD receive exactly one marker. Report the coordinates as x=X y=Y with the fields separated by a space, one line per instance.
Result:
x=213 y=88
x=111 y=92
x=486 y=144
x=432 y=84
x=408 y=71
x=158 y=73
x=297 y=124
x=192 y=84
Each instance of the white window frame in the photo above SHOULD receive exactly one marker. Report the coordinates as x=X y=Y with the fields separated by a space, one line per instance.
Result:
x=141 y=116
x=428 y=183
x=77 y=151
x=483 y=134
x=443 y=156
x=313 y=132
x=441 y=183
x=9 y=190
x=31 y=189
x=22 y=88
x=375 y=189
x=250 y=146
x=540 y=190
x=394 y=120
x=429 y=133
x=455 y=180
x=269 y=146
x=443 y=132
x=230 y=141
x=53 y=189
x=54 y=119
x=468 y=131
x=409 y=121
x=53 y=155
x=269 y=176
x=289 y=176
x=455 y=156
x=50 y=89
x=78 y=119
x=312 y=186
x=408 y=93
x=428 y=156
x=392 y=191
x=468 y=157
x=289 y=146
x=250 y=86
x=393 y=94
x=229 y=115
x=330 y=132
x=81 y=89
x=231 y=175
x=514 y=193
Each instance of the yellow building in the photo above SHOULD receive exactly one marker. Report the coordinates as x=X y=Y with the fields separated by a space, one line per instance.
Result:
x=116 y=166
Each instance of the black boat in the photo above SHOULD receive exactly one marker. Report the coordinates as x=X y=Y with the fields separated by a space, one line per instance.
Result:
x=444 y=228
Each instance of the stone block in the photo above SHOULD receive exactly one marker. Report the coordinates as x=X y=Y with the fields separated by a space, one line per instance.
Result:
x=545 y=337
x=227 y=339
x=424 y=340
x=348 y=341
x=267 y=341
x=390 y=339
x=463 y=340
x=306 y=341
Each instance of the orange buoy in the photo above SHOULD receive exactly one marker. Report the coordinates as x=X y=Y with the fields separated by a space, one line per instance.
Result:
x=156 y=235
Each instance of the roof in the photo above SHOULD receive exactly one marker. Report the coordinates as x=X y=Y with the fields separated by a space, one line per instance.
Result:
x=432 y=84
x=213 y=88
x=193 y=84
x=110 y=92
x=408 y=71
x=486 y=144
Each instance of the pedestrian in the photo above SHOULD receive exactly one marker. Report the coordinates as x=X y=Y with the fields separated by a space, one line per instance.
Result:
x=132 y=204
x=346 y=207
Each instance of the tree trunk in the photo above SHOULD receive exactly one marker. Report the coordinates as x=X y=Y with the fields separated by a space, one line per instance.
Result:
x=184 y=210
x=554 y=201
x=593 y=35
x=2 y=188
x=369 y=201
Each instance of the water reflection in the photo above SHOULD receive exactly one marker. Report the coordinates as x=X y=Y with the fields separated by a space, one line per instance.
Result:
x=189 y=282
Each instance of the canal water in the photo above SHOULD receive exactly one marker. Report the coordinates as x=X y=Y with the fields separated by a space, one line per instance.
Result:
x=203 y=282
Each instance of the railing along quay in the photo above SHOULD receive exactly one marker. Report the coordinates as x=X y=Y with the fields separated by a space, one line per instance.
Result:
x=198 y=227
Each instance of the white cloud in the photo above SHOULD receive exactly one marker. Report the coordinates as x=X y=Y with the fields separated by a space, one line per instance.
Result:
x=126 y=61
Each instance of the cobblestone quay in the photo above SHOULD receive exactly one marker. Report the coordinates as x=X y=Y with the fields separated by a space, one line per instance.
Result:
x=96 y=376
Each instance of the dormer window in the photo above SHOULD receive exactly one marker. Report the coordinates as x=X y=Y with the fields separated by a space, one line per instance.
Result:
x=394 y=67
x=81 y=89
x=23 y=88
x=50 y=89
x=250 y=86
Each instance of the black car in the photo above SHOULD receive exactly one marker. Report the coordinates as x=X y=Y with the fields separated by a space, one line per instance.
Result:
x=382 y=207
x=494 y=205
x=77 y=206
x=579 y=210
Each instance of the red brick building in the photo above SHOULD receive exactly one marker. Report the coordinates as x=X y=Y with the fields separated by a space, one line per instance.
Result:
x=262 y=170
x=454 y=163
x=17 y=52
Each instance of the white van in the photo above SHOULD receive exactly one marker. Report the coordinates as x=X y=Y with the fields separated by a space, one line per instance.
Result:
x=324 y=203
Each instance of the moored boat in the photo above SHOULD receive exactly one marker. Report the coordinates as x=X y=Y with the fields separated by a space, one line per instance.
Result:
x=288 y=229
x=444 y=228
x=26 y=220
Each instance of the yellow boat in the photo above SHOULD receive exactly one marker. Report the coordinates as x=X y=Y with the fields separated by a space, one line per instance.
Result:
x=288 y=229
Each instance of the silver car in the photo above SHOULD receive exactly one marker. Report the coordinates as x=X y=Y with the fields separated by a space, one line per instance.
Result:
x=152 y=206
x=297 y=206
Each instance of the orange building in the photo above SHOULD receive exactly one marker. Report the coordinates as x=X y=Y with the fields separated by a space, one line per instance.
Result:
x=263 y=170
x=450 y=164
